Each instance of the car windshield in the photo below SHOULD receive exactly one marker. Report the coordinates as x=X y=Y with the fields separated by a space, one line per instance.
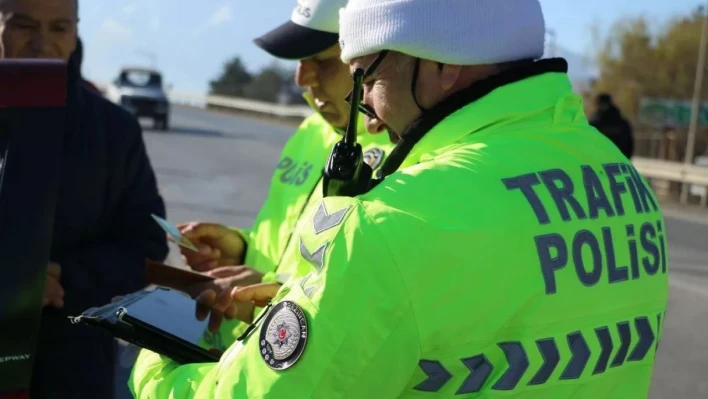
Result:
x=140 y=79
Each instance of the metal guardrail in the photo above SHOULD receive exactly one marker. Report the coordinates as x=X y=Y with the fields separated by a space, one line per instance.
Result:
x=690 y=175
x=241 y=104
x=673 y=171
x=255 y=106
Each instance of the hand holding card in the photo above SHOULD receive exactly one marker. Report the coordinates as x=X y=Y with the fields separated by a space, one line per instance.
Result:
x=217 y=245
x=174 y=234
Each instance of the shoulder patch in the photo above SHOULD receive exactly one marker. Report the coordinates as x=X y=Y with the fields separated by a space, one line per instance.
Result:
x=283 y=335
x=373 y=157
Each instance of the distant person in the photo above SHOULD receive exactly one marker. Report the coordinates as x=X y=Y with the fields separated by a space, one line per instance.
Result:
x=609 y=121
x=103 y=231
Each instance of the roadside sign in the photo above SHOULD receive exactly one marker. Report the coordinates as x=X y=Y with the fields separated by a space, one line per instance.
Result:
x=663 y=112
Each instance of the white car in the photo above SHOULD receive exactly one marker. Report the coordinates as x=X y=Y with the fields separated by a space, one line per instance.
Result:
x=140 y=91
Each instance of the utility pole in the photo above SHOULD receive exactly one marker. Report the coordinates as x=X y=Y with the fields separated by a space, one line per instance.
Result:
x=696 y=105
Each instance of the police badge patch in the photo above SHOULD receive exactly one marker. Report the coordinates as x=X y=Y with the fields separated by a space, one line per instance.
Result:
x=373 y=157
x=283 y=335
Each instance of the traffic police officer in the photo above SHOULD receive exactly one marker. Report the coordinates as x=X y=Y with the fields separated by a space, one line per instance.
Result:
x=311 y=37
x=510 y=249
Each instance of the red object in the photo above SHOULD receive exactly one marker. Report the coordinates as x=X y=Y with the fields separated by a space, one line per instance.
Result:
x=28 y=83
x=15 y=395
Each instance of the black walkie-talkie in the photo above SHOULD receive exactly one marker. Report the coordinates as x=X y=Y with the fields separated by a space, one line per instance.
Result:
x=346 y=174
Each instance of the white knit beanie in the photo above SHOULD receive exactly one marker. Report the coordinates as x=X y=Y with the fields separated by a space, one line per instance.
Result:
x=458 y=32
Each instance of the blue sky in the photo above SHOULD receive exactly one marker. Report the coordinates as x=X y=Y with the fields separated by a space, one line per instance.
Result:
x=189 y=40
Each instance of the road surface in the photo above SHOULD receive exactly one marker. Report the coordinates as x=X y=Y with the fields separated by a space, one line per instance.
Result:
x=214 y=166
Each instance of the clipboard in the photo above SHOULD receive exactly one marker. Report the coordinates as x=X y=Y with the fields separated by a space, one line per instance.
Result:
x=162 y=321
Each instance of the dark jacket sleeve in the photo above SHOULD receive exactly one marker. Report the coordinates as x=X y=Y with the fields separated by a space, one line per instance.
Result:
x=114 y=263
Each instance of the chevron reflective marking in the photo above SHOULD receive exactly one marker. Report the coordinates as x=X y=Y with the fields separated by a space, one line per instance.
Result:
x=581 y=354
x=605 y=339
x=303 y=280
x=480 y=370
x=437 y=376
x=625 y=340
x=518 y=364
x=315 y=258
x=646 y=339
x=310 y=290
x=551 y=358
x=323 y=221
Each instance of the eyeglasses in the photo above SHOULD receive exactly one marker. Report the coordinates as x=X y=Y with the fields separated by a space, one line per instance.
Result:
x=363 y=108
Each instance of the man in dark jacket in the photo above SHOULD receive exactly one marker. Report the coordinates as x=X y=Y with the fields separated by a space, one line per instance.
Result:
x=609 y=121
x=103 y=229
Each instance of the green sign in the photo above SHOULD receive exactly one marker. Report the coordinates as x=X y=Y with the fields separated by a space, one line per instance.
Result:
x=658 y=112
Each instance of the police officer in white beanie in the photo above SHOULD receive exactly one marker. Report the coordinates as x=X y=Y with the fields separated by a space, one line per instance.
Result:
x=502 y=145
x=497 y=256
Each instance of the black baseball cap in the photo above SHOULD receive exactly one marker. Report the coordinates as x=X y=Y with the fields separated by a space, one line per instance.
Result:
x=313 y=27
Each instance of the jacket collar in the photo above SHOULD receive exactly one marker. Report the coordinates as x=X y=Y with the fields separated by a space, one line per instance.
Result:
x=503 y=97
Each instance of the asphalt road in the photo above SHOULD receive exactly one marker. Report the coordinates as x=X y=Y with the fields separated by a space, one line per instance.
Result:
x=214 y=166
